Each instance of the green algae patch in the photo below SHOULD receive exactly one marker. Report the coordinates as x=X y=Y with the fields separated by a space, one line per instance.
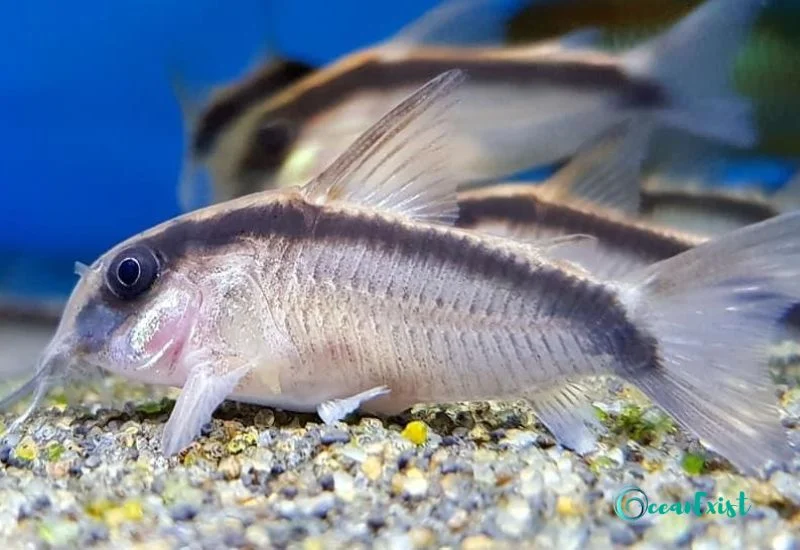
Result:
x=53 y=451
x=242 y=440
x=640 y=425
x=693 y=464
x=601 y=463
x=155 y=407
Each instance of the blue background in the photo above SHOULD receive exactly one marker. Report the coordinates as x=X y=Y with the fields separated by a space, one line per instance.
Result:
x=90 y=132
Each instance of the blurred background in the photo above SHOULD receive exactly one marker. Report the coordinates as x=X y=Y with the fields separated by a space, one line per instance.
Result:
x=91 y=138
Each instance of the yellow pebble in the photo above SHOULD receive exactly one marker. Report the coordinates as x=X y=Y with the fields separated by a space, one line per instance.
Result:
x=313 y=543
x=133 y=510
x=372 y=467
x=567 y=506
x=230 y=467
x=416 y=432
x=421 y=537
x=27 y=449
x=477 y=542
x=130 y=510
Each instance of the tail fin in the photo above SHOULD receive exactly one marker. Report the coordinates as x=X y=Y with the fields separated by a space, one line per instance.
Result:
x=787 y=198
x=713 y=311
x=694 y=60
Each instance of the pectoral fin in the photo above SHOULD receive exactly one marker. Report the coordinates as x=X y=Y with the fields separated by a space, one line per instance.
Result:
x=202 y=393
x=567 y=412
x=336 y=409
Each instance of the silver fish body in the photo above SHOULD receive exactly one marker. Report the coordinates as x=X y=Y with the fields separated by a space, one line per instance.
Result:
x=360 y=301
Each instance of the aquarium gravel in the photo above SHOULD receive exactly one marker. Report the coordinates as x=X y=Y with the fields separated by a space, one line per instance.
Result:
x=468 y=476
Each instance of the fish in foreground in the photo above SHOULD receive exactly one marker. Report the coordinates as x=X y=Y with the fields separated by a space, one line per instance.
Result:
x=352 y=292
x=523 y=106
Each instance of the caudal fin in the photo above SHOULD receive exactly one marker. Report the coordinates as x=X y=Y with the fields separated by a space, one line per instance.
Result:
x=694 y=61
x=714 y=311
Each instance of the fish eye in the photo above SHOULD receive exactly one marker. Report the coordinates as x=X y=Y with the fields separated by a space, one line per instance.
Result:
x=133 y=272
x=271 y=141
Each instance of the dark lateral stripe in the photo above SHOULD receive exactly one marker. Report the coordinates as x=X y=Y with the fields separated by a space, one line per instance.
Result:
x=748 y=211
x=269 y=80
x=376 y=75
x=299 y=220
x=526 y=209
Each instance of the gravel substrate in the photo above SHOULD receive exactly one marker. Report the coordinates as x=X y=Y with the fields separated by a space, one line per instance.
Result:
x=486 y=476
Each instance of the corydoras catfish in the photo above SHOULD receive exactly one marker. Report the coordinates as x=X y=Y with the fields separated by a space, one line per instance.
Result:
x=523 y=106
x=583 y=198
x=596 y=194
x=353 y=292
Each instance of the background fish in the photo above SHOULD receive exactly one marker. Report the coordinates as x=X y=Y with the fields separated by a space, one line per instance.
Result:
x=524 y=107
x=710 y=212
x=766 y=68
x=351 y=292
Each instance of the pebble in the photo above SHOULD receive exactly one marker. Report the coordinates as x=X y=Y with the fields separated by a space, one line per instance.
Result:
x=412 y=484
x=622 y=535
x=344 y=486
x=372 y=467
x=335 y=436
x=183 y=512
x=92 y=461
x=514 y=518
x=376 y=521
x=477 y=542
x=421 y=537
x=230 y=467
x=569 y=507
x=326 y=482
x=416 y=432
x=672 y=529
x=785 y=541
x=322 y=505
x=257 y=536
x=458 y=520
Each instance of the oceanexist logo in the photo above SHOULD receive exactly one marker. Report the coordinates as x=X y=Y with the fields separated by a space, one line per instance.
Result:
x=632 y=504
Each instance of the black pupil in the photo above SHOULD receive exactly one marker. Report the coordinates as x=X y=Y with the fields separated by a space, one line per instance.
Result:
x=129 y=271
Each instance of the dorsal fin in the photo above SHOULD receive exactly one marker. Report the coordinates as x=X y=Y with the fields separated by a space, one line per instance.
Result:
x=606 y=171
x=405 y=163
x=458 y=23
